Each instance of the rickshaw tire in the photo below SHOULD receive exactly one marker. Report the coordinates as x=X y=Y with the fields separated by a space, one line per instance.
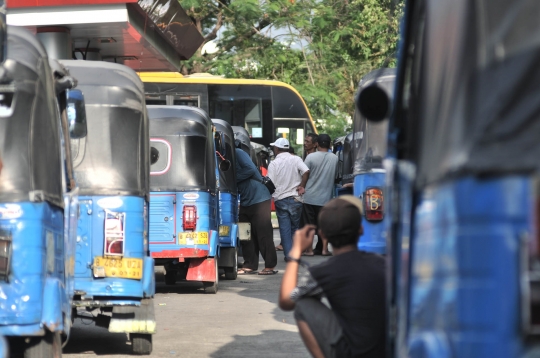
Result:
x=170 y=277
x=212 y=287
x=48 y=346
x=231 y=273
x=141 y=343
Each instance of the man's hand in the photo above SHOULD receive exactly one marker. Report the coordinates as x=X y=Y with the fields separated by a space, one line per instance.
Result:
x=303 y=239
x=300 y=190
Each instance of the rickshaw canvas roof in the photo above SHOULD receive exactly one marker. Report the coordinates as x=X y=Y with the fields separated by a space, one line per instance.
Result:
x=29 y=129
x=475 y=107
x=189 y=132
x=113 y=159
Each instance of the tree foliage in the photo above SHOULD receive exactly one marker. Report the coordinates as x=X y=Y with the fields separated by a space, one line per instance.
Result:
x=321 y=47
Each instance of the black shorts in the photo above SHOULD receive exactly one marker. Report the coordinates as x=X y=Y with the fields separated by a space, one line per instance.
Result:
x=324 y=326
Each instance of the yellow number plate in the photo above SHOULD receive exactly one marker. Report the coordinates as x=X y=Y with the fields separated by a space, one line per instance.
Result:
x=121 y=267
x=192 y=238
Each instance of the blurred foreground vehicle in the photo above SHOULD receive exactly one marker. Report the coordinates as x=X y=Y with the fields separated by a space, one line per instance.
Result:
x=464 y=150
x=38 y=196
x=113 y=270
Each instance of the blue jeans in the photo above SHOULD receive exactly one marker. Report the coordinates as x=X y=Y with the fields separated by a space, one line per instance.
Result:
x=288 y=213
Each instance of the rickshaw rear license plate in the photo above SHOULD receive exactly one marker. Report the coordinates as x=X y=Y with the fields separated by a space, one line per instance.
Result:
x=120 y=267
x=192 y=238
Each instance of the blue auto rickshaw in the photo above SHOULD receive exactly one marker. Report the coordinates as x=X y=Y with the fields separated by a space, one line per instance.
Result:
x=38 y=197
x=369 y=148
x=114 y=271
x=184 y=218
x=228 y=201
x=464 y=155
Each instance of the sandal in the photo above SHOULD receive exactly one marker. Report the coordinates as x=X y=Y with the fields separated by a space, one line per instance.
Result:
x=279 y=248
x=268 y=272
x=246 y=271
x=306 y=254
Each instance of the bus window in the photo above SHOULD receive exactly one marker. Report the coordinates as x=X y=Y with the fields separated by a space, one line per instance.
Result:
x=294 y=131
x=245 y=106
x=287 y=104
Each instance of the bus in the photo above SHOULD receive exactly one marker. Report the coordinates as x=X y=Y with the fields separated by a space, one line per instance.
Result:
x=266 y=109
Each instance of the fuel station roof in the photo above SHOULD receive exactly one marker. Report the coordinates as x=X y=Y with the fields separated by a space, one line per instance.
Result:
x=146 y=35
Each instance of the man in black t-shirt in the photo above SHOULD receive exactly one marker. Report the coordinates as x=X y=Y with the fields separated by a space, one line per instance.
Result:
x=352 y=281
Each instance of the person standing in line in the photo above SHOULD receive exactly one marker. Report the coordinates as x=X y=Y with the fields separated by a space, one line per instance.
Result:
x=353 y=282
x=323 y=167
x=255 y=209
x=289 y=175
x=310 y=144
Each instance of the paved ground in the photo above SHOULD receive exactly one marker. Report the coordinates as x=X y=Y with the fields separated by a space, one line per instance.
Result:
x=241 y=320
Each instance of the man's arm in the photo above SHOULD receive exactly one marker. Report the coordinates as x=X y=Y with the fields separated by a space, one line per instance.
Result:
x=302 y=187
x=303 y=238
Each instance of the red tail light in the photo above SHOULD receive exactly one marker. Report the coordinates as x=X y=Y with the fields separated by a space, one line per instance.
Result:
x=189 y=217
x=374 y=204
x=114 y=233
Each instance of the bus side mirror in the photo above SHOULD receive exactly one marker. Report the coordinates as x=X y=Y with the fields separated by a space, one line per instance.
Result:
x=76 y=114
x=3 y=32
x=373 y=103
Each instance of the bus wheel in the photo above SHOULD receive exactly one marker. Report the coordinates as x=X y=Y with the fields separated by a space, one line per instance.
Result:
x=212 y=287
x=231 y=273
x=141 y=343
x=48 y=346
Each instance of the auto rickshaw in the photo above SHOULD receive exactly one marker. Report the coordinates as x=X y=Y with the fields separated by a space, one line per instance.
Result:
x=228 y=201
x=184 y=217
x=114 y=272
x=38 y=197
x=369 y=148
x=343 y=149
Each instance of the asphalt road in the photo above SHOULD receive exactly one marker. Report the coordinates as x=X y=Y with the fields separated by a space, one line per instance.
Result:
x=241 y=320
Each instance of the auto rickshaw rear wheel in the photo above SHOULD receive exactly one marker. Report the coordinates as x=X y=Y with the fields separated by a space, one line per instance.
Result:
x=212 y=287
x=231 y=273
x=48 y=346
x=141 y=343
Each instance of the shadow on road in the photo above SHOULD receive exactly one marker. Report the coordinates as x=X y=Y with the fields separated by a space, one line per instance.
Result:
x=269 y=344
x=89 y=339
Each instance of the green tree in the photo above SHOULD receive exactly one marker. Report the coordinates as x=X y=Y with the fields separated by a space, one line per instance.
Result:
x=321 y=47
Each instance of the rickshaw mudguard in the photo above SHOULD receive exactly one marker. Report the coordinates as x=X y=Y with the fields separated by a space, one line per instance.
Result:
x=53 y=302
x=90 y=244
x=149 y=278
x=228 y=205
x=465 y=271
x=374 y=237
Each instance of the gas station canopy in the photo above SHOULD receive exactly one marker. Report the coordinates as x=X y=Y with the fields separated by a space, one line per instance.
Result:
x=146 y=35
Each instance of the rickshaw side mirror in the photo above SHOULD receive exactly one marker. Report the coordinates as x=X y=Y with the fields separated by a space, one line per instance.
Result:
x=373 y=103
x=3 y=32
x=76 y=113
x=224 y=165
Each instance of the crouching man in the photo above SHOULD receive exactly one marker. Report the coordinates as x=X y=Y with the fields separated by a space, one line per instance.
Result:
x=352 y=282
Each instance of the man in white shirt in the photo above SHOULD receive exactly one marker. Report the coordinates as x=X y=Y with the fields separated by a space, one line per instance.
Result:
x=289 y=175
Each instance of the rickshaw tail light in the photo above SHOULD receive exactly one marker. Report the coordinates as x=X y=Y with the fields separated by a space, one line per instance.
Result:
x=374 y=204
x=5 y=254
x=189 y=217
x=114 y=233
